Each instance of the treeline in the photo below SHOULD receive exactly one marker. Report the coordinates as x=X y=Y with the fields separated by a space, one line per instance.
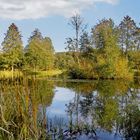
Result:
x=109 y=51
x=38 y=54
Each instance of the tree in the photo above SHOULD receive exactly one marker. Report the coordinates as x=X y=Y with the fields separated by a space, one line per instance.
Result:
x=137 y=38
x=108 y=54
x=33 y=50
x=85 y=42
x=12 y=48
x=49 y=49
x=100 y=33
x=127 y=29
x=39 y=52
x=76 y=22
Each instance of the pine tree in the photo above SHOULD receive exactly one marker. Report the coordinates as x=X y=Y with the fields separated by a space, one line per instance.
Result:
x=32 y=51
x=127 y=29
x=12 y=48
x=39 y=52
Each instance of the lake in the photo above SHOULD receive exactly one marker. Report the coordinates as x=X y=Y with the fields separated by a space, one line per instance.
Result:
x=82 y=110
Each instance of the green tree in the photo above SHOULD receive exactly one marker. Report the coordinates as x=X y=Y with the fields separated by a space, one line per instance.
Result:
x=33 y=51
x=109 y=58
x=49 y=49
x=85 y=42
x=137 y=38
x=127 y=29
x=39 y=52
x=12 y=48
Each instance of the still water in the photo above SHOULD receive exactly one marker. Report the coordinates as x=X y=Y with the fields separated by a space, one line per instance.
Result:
x=103 y=110
x=70 y=110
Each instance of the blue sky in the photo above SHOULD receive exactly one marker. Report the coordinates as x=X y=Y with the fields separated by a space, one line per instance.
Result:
x=51 y=16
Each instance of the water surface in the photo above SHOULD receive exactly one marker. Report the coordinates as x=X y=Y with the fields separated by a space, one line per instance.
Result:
x=82 y=110
x=110 y=108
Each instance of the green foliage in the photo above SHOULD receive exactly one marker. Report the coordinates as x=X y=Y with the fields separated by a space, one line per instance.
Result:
x=38 y=55
x=127 y=34
x=106 y=60
x=39 y=52
x=134 y=59
x=12 y=48
x=43 y=74
x=9 y=74
x=85 y=42
x=64 y=60
x=109 y=52
x=33 y=52
x=85 y=70
x=47 y=43
x=20 y=117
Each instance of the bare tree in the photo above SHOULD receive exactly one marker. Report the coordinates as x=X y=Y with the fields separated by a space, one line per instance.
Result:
x=77 y=24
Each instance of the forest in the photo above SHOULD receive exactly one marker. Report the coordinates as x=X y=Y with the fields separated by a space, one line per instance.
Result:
x=107 y=51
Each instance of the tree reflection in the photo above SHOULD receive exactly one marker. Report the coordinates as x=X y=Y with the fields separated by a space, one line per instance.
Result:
x=113 y=106
x=130 y=122
x=110 y=105
x=86 y=103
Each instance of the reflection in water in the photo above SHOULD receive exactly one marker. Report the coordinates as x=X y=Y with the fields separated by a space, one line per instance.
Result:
x=35 y=109
x=23 y=108
x=109 y=109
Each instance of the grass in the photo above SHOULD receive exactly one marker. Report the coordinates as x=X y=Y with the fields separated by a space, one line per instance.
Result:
x=18 y=74
x=48 y=73
x=9 y=74
x=19 y=111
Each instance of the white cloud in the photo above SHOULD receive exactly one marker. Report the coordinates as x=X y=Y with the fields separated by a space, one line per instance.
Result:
x=33 y=9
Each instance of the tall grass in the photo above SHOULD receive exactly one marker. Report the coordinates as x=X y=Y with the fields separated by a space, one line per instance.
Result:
x=10 y=74
x=19 y=74
x=19 y=111
x=49 y=73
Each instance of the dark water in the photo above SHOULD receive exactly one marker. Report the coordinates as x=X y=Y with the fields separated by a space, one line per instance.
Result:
x=86 y=110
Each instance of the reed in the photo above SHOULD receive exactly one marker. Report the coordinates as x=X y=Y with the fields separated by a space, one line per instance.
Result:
x=19 y=111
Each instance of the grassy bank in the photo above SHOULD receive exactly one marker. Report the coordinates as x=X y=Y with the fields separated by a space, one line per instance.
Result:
x=18 y=74
x=48 y=73
x=10 y=74
x=56 y=72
